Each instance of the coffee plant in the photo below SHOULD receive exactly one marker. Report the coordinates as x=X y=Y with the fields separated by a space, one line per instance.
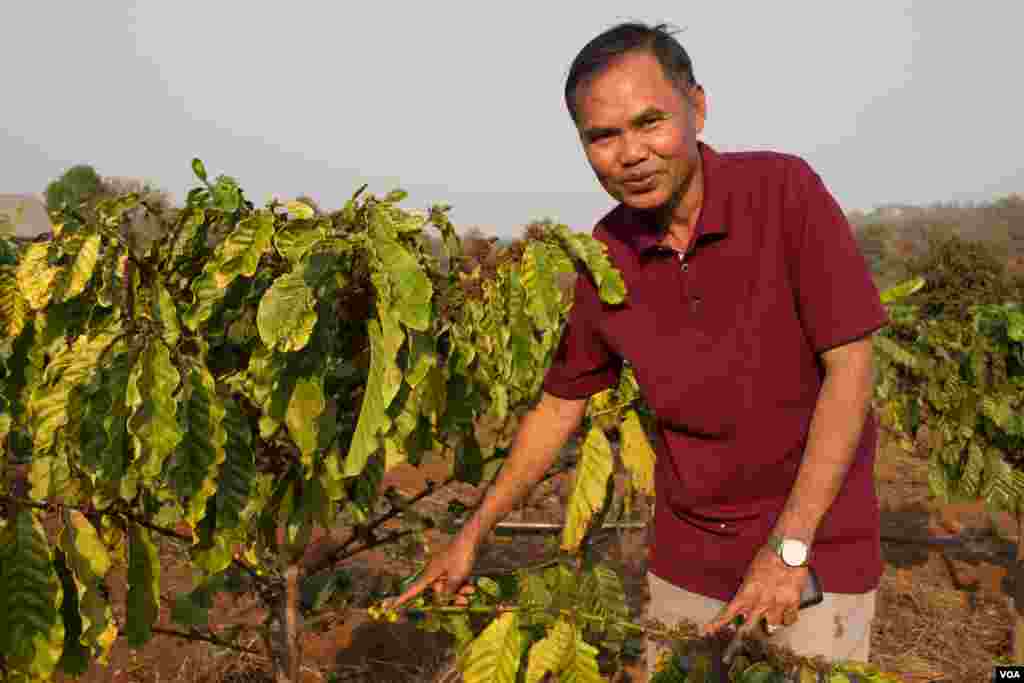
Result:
x=251 y=375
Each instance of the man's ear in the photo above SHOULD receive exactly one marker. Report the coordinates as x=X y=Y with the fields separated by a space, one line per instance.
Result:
x=700 y=106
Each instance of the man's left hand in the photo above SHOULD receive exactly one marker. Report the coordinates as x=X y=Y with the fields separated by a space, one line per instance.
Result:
x=770 y=589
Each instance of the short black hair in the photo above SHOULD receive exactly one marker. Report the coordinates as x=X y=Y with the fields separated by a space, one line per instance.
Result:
x=621 y=39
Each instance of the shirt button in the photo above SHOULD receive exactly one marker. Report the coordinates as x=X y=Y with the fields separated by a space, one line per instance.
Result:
x=686 y=266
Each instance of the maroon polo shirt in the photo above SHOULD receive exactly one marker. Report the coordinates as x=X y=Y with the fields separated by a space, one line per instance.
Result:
x=724 y=343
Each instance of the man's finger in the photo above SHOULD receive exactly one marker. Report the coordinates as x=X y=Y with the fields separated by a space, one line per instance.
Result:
x=728 y=613
x=413 y=590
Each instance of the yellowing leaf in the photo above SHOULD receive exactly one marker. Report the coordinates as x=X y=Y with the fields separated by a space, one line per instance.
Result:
x=14 y=309
x=581 y=665
x=593 y=469
x=382 y=385
x=300 y=210
x=637 y=454
x=550 y=654
x=286 y=314
x=303 y=416
x=83 y=266
x=35 y=276
x=494 y=656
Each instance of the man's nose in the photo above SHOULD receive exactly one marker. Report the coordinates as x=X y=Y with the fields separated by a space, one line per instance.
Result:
x=633 y=150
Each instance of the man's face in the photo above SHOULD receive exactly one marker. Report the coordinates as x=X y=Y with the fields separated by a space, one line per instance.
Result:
x=639 y=132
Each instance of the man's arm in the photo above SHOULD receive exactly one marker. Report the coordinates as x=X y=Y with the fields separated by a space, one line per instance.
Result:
x=836 y=427
x=541 y=435
x=770 y=588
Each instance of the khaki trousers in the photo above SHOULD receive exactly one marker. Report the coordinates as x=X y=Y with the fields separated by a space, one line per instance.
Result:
x=837 y=628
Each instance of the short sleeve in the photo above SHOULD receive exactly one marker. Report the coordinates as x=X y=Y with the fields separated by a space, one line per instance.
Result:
x=837 y=298
x=583 y=364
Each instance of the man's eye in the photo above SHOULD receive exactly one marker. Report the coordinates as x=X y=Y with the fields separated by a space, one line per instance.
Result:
x=650 y=123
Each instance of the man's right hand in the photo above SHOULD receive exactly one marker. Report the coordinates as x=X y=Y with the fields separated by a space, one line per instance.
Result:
x=445 y=573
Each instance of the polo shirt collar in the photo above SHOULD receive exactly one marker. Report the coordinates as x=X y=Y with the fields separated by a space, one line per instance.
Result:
x=644 y=237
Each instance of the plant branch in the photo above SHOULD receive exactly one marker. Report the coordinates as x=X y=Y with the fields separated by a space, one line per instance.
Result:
x=342 y=552
x=169 y=533
x=212 y=640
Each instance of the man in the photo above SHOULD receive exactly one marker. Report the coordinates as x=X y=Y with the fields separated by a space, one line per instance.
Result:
x=747 y=323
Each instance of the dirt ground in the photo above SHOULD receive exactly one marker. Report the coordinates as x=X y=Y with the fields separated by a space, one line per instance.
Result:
x=942 y=612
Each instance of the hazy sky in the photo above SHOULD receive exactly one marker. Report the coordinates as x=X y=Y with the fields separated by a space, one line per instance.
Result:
x=459 y=102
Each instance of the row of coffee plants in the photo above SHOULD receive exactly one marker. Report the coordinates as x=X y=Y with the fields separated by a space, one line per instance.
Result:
x=962 y=377
x=250 y=376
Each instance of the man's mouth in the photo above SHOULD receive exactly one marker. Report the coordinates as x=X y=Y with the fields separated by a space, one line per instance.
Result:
x=638 y=182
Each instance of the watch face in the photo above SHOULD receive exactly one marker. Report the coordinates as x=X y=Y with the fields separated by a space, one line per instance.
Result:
x=793 y=552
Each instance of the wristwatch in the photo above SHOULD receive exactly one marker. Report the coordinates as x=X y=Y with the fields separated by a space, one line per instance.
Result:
x=792 y=551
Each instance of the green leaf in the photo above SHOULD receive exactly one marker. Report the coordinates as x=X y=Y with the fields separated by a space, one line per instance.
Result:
x=75 y=657
x=31 y=627
x=550 y=654
x=537 y=277
x=637 y=454
x=238 y=255
x=297 y=238
x=151 y=397
x=143 y=601
x=589 y=489
x=193 y=468
x=382 y=385
x=494 y=656
x=287 y=312
x=199 y=169
x=238 y=471
x=411 y=289
x=166 y=313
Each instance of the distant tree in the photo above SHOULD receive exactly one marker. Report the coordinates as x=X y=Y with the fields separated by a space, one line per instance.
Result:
x=959 y=274
x=874 y=240
x=78 y=184
x=141 y=226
